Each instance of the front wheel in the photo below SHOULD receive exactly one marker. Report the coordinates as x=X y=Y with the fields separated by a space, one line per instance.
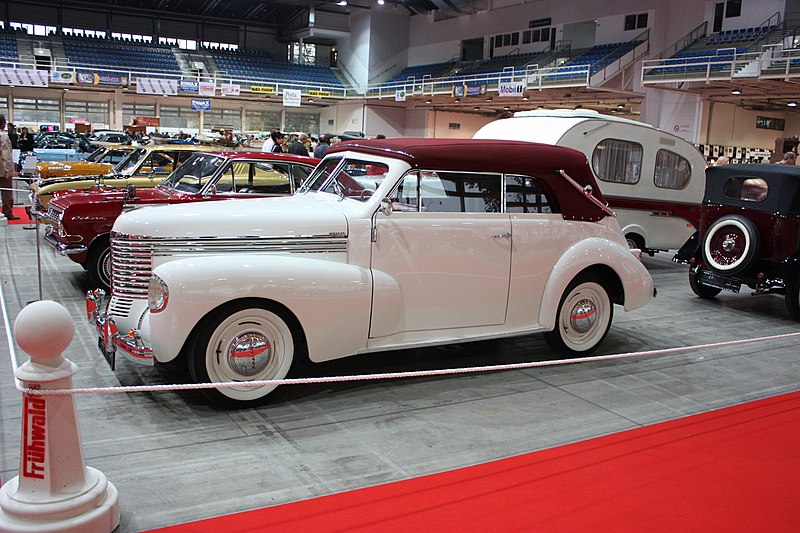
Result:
x=701 y=290
x=584 y=317
x=98 y=265
x=245 y=341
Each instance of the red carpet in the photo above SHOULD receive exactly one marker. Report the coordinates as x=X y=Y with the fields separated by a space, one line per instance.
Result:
x=735 y=469
x=19 y=211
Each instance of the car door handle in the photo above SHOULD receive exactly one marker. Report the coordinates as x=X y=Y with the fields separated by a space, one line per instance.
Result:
x=502 y=236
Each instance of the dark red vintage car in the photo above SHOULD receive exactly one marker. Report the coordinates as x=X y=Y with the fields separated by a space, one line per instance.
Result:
x=749 y=233
x=82 y=220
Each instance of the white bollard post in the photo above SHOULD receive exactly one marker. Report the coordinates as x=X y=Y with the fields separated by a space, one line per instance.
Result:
x=55 y=490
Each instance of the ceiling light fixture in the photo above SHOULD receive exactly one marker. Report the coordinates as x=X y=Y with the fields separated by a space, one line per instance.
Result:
x=621 y=106
x=792 y=104
x=428 y=101
x=381 y=2
x=736 y=91
x=342 y=2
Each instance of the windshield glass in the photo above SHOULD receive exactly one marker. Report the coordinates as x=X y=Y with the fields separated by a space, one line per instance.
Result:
x=129 y=164
x=194 y=173
x=353 y=179
x=95 y=156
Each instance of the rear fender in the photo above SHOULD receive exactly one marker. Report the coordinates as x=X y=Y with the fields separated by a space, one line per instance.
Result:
x=609 y=256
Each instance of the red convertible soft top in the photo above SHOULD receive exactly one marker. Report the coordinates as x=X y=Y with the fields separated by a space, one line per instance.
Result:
x=542 y=161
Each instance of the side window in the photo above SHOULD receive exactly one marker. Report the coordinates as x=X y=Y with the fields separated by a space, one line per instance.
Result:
x=525 y=195
x=455 y=192
x=747 y=189
x=618 y=161
x=235 y=173
x=157 y=163
x=114 y=156
x=299 y=174
x=672 y=170
x=405 y=197
x=267 y=178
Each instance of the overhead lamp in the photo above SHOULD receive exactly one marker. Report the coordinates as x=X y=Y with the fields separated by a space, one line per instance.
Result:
x=477 y=108
x=736 y=91
x=457 y=100
x=381 y=2
x=792 y=104
x=524 y=98
x=507 y=108
x=428 y=101
x=620 y=106
x=342 y=2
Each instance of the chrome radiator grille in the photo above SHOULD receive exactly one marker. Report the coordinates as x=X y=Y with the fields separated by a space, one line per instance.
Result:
x=55 y=214
x=131 y=264
x=131 y=258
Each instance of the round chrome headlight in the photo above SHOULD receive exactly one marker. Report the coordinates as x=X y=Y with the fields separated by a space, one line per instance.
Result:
x=157 y=294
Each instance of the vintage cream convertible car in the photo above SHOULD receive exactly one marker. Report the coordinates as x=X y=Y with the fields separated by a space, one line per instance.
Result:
x=389 y=244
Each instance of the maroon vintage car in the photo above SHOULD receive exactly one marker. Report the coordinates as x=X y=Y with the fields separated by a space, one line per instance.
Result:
x=82 y=220
x=749 y=233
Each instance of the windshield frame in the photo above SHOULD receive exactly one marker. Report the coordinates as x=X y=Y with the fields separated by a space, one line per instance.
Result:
x=96 y=155
x=335 y=165
x=124 y=165
x=166 y=183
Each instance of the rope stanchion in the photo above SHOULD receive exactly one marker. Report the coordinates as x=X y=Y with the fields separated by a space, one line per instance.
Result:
x=404 y=375
x=55 y=491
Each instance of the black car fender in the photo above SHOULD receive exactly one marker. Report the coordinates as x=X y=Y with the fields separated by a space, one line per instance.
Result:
x=689 y=250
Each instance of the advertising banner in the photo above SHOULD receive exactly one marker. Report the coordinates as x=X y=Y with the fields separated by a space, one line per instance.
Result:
x=24 y=77
x=469 y=89
x=156 y=86
x=146 y=121
x=101 y=78
x=261 y=89
x=57 y=76
x=230 y=89
x=189 y=86
x=319 y=93
x=200 y=105
x=291 y=97
x=400 y=95
x=511 y=89
x=207 y=88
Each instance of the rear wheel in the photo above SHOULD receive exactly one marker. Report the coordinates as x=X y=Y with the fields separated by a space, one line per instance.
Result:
x=635 y=241
x=792 y=298
x=244 y=341
x=584 y=317
x=703 y=291
x=98 y=264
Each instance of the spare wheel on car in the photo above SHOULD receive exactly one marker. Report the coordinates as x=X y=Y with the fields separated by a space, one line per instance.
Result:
x=730 y=245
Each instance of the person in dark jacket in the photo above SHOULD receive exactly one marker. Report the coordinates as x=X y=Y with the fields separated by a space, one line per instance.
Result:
x=298 y=145
x=322 y=147
x=25 y=141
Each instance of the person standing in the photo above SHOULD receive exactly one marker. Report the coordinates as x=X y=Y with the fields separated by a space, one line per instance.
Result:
x=7 y=171
x=13 y=136
x=322 y=147
x=298 y=146
x=25 y=140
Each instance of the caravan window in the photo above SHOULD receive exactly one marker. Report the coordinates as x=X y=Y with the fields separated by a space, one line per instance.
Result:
x=618 y=161
x=672 y=170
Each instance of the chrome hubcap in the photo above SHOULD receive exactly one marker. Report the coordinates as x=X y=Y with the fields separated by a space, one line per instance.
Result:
x=583 y=316
x=249 y=354
x=729 y=244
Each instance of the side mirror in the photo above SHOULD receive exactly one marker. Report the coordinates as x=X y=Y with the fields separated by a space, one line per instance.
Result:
x=130 y=192
x=386 y=207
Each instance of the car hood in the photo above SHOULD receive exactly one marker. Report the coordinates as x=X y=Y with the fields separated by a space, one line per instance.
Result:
x=98 y=195
x=293 y=216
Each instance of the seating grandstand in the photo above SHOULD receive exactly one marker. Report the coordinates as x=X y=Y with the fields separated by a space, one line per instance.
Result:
x=9 y=54
x=257 y=64
x=119 y=54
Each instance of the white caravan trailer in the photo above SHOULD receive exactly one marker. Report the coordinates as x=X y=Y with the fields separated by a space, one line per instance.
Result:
x=652 y=179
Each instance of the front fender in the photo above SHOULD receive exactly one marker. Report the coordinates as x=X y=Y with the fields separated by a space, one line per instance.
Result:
x=637 y=284
x=331 y=300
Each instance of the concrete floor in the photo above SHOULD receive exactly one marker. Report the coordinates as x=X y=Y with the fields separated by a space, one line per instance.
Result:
x=175 y=459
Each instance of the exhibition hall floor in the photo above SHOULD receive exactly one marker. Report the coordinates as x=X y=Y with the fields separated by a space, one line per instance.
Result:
x=175 y=459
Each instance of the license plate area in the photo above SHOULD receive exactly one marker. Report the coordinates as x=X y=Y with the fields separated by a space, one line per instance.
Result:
x=719 y=282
